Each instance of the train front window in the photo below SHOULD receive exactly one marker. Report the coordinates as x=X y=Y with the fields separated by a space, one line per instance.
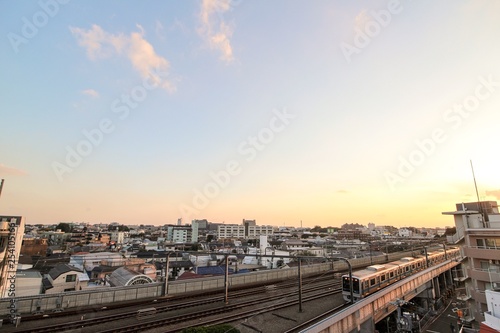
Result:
x=346 y=285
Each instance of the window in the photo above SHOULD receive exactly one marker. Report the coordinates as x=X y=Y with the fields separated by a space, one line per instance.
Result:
x=71 y=278
x=480 y=242
x=494 y=243
x=372 y=282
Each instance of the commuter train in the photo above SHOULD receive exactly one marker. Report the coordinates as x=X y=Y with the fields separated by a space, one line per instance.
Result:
x=375 y=277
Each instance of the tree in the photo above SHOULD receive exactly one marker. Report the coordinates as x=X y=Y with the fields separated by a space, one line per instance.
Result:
x=64 y=227
x=351 y=226
x=450 y=231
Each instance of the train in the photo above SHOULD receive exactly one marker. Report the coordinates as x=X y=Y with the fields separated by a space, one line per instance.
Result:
x=375 y=277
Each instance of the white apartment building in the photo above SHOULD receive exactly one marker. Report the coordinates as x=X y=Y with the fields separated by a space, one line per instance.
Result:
x=117 y=236
x=179 y=234
x=11 y=238
x=243 y=231
x=478 y=234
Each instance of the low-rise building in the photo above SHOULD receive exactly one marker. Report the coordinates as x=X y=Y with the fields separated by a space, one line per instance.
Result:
x=61 y=278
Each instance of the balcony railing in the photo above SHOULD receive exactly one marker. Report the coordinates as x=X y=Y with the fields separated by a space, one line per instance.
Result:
x=478 y=295
x=492 y=275
x=483 y=252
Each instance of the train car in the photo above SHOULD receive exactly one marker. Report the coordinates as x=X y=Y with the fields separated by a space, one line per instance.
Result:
x=375 y=277
x=369 y=280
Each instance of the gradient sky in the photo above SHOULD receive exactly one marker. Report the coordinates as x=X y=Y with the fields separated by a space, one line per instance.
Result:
x=326 y=112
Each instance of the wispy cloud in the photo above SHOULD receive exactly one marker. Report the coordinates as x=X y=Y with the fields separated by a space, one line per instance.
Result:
x=216 y=32
x=101 y=44
x=91 y=93
x=494 y=193
x=159 y=30
x=4 y=169
x=343 y=191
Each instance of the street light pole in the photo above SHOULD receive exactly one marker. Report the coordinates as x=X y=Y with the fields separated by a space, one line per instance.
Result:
x=300 y=286
x=166 y=273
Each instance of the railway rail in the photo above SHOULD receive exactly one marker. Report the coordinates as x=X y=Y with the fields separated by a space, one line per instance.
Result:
x=199 y=309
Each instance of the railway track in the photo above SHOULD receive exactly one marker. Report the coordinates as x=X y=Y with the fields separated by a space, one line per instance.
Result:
x=198 y=308
x=201 y=318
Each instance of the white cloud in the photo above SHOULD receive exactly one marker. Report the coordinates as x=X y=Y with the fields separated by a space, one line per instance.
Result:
x=144 y=59
x=90 y=92
x=11 y=171
x=213 y=28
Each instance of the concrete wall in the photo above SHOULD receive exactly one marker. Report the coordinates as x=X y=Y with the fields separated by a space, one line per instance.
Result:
x=99 y=297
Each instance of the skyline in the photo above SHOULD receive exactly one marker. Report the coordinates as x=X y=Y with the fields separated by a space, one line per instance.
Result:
x=329 y=113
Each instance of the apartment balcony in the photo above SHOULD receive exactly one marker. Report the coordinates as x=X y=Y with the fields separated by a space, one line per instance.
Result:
x=478 y=295
x=491 y=320
x=490 y=253
x=456 y=238
x=4 y=228
x=463 y=297
x=484 y=275
x=460 y=278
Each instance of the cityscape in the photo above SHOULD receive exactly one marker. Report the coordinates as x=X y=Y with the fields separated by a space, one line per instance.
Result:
x=81 y=259
x=249 y=166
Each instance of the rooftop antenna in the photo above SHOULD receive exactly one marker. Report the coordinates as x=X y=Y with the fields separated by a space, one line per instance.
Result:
x=477 y=195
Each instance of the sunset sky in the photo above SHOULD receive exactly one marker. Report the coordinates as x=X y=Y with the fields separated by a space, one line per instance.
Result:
x=325 y=112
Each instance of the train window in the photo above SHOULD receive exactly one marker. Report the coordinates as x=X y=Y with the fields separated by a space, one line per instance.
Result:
x=346 y=284
x=391 y=275
x=355 y=285
x=407 y=268
x=372 y=282
x=382 y=278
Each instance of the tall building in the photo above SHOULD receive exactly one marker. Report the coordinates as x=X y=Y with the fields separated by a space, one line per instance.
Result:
x=11 y=238
x=478 y=233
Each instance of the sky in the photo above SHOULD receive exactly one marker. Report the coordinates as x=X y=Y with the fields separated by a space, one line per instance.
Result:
x=287 y=112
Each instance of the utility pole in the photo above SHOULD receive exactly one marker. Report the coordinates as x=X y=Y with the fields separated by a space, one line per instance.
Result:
x=1 y=186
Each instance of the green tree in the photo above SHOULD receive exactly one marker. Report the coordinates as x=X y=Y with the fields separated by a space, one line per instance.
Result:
x=64 y=227
x=123 y=228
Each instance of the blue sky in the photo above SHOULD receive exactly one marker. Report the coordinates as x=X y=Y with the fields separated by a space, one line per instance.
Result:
x=326 y=111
